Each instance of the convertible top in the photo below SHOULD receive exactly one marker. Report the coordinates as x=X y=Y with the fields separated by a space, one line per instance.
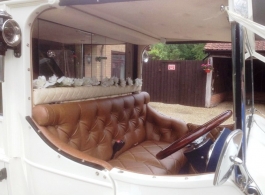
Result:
x=149 y=21
x=171 y=21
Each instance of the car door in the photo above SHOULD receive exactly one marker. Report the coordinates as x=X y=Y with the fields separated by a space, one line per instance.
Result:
x=255 y=158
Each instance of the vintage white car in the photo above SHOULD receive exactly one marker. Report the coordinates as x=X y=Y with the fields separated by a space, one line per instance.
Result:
x=75 y=121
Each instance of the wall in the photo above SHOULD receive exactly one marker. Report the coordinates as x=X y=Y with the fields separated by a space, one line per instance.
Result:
x=217 y=99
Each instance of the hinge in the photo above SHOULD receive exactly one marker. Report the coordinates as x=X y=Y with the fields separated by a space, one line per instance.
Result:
x=3 y=174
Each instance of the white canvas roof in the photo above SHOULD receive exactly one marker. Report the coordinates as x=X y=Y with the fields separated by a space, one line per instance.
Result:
x=149 y=21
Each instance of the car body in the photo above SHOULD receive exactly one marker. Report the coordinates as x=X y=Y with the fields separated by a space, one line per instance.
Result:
x=32 y=167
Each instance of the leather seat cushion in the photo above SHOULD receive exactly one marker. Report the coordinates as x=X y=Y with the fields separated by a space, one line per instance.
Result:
x=141 y=159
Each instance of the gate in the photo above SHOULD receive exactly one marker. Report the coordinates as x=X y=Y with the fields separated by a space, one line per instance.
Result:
x=175 y=82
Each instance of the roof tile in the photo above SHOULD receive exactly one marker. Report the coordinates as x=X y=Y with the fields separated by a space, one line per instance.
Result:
x=260 y=46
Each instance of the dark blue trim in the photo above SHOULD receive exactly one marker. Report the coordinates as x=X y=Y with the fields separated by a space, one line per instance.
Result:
x=216 y=150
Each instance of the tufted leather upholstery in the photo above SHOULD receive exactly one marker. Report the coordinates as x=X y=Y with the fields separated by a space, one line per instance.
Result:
x=88 y=130
x=141 y=159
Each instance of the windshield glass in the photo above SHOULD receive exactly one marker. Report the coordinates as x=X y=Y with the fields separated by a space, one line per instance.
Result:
x=63 y=51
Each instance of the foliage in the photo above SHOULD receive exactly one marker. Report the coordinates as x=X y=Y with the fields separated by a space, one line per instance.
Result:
x=162 y=51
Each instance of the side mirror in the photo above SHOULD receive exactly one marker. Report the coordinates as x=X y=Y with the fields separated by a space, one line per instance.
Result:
x=226 y=160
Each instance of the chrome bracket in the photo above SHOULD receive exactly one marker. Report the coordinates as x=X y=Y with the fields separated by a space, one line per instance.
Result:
x=244 y=182
x=17 y=51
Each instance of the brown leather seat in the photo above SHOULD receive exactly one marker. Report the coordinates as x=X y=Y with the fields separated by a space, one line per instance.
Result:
x=88 y=130
x=141 y=158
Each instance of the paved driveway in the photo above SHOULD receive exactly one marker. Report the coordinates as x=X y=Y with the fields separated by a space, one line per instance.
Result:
x=198 y=115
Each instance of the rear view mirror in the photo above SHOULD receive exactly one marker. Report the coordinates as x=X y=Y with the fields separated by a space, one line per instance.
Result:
x=229 y=152
x=145 y=56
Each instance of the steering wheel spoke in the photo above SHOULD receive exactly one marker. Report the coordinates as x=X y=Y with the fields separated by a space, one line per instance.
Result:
x=193 y=135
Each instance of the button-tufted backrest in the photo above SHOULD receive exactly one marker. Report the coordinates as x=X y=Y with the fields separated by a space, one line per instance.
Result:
x=93 y=126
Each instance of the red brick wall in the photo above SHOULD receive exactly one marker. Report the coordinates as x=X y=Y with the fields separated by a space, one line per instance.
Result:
x=217 y=98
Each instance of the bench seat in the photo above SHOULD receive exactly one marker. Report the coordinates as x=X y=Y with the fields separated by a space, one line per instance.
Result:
x=141 y=158
x=88 y=130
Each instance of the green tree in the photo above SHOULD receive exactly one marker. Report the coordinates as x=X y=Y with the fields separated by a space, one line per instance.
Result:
x=162 y=51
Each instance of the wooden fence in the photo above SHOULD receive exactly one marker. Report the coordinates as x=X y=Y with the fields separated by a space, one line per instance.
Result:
x=175 y=82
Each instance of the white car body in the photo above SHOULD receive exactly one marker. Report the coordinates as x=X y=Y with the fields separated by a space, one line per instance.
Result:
x=33 y=168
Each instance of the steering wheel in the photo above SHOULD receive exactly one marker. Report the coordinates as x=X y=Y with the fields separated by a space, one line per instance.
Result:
x=193 y=135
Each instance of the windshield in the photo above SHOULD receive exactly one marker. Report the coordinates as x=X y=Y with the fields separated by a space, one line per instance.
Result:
x=63 y=51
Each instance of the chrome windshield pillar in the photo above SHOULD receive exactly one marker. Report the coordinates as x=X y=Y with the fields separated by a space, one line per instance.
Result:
x=239 y=93
x=238 y=61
